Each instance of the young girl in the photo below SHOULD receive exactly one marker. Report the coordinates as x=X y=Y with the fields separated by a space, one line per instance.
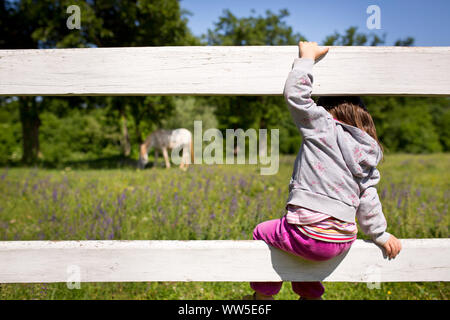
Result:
x=333 y=180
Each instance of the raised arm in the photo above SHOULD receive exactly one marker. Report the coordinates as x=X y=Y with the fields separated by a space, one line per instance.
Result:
x=308 y=117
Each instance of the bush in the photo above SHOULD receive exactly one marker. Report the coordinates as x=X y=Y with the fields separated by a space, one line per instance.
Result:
x=10 y=133
x=80 y=136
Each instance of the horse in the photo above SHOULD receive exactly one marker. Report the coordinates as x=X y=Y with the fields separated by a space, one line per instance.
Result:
x=163 y=139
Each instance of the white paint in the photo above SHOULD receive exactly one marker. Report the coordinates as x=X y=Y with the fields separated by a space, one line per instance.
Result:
x=211 y=260
x=226 y=70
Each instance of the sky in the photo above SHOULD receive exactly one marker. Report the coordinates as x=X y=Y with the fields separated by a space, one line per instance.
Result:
x=426 y=21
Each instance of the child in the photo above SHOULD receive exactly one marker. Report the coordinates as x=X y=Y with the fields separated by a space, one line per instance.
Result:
x=333 y=180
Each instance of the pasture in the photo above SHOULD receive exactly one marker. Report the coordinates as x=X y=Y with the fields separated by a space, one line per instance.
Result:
x=222 y=202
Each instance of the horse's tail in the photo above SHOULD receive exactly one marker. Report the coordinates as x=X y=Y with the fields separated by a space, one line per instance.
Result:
x=192 y=150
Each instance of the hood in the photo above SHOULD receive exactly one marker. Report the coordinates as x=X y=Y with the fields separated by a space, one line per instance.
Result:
x=360 y=151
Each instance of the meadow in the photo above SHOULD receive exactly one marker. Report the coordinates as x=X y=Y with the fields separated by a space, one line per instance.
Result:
x=222 y=202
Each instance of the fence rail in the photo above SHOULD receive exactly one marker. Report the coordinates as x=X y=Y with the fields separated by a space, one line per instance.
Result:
x=221 y=70
x=211 y=260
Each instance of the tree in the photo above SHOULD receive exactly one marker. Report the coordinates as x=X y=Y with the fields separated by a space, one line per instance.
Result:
x=39 y=24
x=352 y=37
x=42 y=24
x=143 y=23
x=252 y=111
x=269 y=30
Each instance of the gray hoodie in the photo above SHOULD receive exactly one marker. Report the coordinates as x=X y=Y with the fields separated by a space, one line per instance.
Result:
x=335 y=170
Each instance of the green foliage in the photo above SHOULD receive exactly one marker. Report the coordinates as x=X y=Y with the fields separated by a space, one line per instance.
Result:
x=411 y=124
x=186 y=111
x=409 y=41
x=353 y=38
x=440 y=111
x=290 y=137
x=62 y=139
x=10 y=132
x=269 y=30
x=411 y=130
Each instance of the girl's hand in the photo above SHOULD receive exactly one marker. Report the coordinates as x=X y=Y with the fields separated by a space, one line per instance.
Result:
x=311 y=50
x=392 y=247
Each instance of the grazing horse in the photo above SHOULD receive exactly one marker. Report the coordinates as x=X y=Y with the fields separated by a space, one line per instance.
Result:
x=163 y=140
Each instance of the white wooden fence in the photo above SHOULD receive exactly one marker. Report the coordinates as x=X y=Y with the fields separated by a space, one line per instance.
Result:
x=257 y=70
x=210 y=260
x=207 y=70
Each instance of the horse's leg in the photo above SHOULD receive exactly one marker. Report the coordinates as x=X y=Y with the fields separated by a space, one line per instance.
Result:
x=186 y=165
x=182 y=163
x=166 y=157
x=156 y=158
x=184 y=160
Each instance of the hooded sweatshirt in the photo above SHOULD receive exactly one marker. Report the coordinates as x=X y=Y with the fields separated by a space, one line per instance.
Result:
x=335 y=170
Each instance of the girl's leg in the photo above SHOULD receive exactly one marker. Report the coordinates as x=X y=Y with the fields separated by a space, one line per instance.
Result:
x=267 y=289
x=328 y=250
x=282 y=235
x=271 y=232
x=308 y=290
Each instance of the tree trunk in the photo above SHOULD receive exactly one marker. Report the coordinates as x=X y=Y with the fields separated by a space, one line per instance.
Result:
x=29 y=117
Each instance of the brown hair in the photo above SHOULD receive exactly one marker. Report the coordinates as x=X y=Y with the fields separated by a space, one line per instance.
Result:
x=352 y=111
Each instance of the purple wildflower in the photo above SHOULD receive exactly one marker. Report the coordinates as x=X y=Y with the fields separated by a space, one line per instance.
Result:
x=55 y=194
x=233 y=206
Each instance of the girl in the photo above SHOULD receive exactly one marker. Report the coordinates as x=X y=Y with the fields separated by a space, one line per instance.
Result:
x=333 y=180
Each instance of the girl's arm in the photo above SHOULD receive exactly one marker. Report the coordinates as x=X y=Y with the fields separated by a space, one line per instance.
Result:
x=308 y=117
x=373 y=223
x=371 y=218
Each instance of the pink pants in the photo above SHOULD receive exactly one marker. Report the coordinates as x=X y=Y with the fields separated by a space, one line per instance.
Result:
x=287 y=237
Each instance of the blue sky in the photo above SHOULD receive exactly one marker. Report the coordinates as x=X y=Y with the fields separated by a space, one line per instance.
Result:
x=426 y=21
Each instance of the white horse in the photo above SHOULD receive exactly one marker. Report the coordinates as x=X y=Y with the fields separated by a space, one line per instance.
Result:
x=162 y=139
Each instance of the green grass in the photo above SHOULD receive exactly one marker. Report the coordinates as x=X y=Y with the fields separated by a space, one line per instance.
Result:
x=206 y=202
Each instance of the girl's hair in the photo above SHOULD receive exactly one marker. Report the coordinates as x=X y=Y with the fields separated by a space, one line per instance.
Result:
x=350 y=110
